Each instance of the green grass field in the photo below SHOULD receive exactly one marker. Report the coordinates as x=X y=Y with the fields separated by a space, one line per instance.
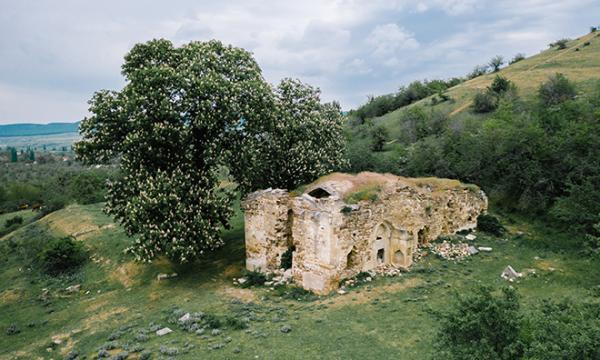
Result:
x=388 y=318
x=27 y=216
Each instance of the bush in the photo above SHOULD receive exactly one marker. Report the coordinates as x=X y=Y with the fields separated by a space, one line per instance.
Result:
x=559 y=44
x=518 y=57
x=500 y=85
x=481 y=326
x=490 y=224
x=556 y=90
x=254 y=278
x=17 y=220
x=62 y=255
x=484 y=102
x=379 y=136
x=478 y=71
x=593 y=29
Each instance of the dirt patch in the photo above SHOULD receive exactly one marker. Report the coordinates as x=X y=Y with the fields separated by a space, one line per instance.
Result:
x=126 y=273
x=354 y=298
x=71 y=221
x=7 y=296
x=245 y=295
x=95 y=319
x=232 y=271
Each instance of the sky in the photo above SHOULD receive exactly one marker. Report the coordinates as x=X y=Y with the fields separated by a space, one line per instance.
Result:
x=54 y=54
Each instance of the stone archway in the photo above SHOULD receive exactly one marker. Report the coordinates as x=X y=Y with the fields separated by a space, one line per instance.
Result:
x=382 y=235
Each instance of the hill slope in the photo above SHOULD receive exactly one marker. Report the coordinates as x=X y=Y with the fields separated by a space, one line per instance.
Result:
x=580 y=66
x=37 y=129
x=120 y=299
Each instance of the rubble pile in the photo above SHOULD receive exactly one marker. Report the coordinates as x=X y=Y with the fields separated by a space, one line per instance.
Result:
x=451 y=251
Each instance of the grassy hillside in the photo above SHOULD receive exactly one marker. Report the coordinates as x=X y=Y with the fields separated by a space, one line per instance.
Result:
x=578 y=62
x=390 y=317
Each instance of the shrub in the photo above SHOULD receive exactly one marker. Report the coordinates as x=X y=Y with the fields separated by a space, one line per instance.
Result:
x=12 y=329
x=484 y=102
x=286 y=258
x=17 y=220
x=62 y=255
x=235 y=323
x=559 y=44
x=254 y=278
x=490 y=224
x=556 y=90
x=481 y=326
x=478 y=71
x=499 y=85
x=593 y=29
x=379 y=136
x=518 y=57
x=587 y=43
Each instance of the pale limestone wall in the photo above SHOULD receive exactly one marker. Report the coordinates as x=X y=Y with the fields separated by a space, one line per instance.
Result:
x=332 y=244
x=266 y=227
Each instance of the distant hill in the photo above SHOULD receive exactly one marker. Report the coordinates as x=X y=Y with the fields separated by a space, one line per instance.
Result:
x=37 y=129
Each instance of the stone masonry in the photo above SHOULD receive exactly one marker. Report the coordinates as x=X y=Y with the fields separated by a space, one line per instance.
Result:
x=343 y=224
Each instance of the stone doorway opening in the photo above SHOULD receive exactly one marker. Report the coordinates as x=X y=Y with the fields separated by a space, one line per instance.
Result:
x=381 y=245
x=352 y=259
x=380 y=256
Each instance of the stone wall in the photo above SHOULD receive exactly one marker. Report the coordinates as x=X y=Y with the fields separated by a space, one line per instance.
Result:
x=334 y=240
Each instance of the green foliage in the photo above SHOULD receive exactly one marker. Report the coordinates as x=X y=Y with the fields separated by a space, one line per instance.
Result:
x=556 y=90
x=500 y=85
x=369 y=193
x=415 y=91
x=287 y=257
x=62 y=255
x=518 y=57
x=490 y=224
x=481 y=326
x=305 y=142
x=254 y=278
x=379 y=136
x=484 y=102
x=593 y=29
x=17 y=220
x=478 y=71
x=563 y=330
x=592 y=243
x=559 y=44
x=496 y=62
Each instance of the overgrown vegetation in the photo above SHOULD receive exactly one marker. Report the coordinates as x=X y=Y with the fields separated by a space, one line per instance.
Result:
x=482 y=325
x=539 y=157
x=62 y=255
x=417 y=90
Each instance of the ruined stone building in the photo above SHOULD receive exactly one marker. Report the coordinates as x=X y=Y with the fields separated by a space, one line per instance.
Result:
x=343 y=224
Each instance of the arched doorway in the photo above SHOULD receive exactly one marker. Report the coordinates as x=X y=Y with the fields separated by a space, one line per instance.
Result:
x=381 y=244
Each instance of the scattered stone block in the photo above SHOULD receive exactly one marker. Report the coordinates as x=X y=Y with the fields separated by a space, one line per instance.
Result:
x=485 y=248
x=163 y=331
x=510 y=274
x=185 y=318
x=286 y=329
x=73 y=288
x=470 y=237
x=473 y=250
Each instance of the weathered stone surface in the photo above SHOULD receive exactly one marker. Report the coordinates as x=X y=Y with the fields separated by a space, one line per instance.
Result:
x=510 y=274
x=333 y=240
x=163 y=331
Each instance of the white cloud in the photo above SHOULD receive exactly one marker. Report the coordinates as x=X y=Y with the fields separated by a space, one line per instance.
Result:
x=55 y=54
x=389 y=38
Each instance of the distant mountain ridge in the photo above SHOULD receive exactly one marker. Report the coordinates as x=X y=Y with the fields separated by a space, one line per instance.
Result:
x=37 y=129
